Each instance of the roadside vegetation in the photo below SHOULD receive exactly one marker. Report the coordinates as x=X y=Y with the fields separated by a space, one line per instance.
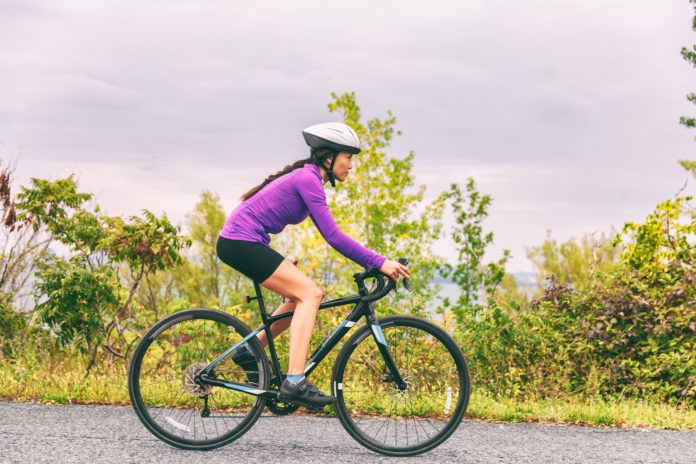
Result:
x=608 y=338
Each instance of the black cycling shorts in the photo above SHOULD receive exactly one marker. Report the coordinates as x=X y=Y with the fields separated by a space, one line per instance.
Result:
x=255 y=260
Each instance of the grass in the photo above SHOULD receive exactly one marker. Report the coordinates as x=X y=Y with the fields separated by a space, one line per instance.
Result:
x=61 y=381
x=583 y=411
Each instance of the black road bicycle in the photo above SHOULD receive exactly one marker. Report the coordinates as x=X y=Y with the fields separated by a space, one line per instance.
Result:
x=401 y=383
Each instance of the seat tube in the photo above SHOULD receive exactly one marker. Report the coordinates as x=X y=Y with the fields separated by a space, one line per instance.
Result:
x=264 y=317
x=275 y=365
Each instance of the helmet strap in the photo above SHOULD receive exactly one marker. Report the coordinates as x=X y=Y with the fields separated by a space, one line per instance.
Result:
x=329 y=173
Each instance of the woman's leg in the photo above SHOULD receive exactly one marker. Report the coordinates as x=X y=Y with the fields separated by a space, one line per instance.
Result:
x=293 y=284
x=278 y=327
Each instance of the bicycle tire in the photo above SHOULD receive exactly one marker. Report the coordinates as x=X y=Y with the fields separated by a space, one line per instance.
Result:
x=173 y=337
x=360 y=361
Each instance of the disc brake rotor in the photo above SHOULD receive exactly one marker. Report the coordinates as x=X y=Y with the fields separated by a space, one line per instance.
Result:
x=188 y=380
x=403 y=396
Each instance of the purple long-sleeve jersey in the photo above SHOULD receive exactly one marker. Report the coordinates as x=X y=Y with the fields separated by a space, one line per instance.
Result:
x=289 y=199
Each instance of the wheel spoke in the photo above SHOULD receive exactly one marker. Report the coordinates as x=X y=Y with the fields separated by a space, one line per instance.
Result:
x=387 y=419
x=171 y=402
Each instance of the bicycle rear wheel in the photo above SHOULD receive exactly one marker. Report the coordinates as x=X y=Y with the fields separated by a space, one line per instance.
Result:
x=161 y=384
x=401 y=423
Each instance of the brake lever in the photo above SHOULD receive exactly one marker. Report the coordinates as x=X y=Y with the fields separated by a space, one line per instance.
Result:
x=404 y=281
x=403 y=261
x=396 y=284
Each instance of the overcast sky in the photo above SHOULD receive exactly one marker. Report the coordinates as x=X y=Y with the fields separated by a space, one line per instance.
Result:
x=565 y=112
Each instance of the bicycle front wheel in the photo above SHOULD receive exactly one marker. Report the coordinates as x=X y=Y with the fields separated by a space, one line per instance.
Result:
x=410 y=421
x=162 y=386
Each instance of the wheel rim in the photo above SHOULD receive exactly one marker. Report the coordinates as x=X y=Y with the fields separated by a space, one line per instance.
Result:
x=388 y=419
x=173 y=403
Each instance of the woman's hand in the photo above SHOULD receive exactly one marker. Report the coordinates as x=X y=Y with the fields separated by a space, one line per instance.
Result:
x=394 y=268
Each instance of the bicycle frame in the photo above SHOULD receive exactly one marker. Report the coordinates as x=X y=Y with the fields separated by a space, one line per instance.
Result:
x=361 y=309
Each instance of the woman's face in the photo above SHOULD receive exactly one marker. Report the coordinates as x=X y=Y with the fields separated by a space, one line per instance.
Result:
x=343 y=164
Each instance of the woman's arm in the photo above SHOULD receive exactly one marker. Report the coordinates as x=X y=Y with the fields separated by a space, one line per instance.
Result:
x=312 y=192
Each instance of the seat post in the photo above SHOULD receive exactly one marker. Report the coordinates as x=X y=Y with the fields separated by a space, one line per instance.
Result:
x=259 y=297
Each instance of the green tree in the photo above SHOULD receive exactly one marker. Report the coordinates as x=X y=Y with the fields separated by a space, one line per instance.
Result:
x=12 y=323
x=650 y=342
x=379 y=207
x=82 y=296
x=690 y=166
x=630 y=332
x=19 y=248
x=667 y=238
x=76 y=301
x=136 y=248
x=477 y=281
x=572 y=262
x=509 y=292
x=203 y=279
x=689 y=56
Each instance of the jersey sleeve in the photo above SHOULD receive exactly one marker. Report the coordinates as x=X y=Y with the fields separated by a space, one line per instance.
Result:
x=312 y=192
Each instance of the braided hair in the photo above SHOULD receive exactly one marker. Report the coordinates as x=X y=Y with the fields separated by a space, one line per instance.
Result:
x=317 y=156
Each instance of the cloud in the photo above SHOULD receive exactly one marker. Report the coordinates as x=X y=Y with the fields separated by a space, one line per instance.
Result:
x=565 y=112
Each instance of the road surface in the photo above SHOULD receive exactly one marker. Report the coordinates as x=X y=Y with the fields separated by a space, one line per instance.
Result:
x=36 y=433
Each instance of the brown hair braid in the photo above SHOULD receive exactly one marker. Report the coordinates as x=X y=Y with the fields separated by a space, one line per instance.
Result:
x=317 y=156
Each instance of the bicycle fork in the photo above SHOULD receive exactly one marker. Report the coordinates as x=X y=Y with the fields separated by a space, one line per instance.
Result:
x=378 y=336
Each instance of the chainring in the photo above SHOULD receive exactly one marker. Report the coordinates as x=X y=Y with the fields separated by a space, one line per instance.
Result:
x=280 y=408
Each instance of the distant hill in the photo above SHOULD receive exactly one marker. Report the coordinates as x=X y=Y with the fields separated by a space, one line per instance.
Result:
x=524 y=279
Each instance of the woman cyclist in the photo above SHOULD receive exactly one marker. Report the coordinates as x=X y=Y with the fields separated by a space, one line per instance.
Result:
x=288 y=197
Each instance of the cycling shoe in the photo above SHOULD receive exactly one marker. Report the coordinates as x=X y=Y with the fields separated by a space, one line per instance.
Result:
x=247 y=361
x=304 y=393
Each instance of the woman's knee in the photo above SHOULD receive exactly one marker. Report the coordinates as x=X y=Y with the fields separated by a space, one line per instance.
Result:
x=310 y=294
x=293 y=284
x=315 y=294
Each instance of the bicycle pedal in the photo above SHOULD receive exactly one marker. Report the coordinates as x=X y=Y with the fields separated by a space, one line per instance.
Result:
x=307 y=406
x=315 y=408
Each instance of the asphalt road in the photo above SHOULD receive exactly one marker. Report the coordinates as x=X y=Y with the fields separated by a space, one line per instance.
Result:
x=35 y=433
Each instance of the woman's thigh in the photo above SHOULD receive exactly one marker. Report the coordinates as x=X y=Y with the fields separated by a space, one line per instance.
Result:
x=292 y=283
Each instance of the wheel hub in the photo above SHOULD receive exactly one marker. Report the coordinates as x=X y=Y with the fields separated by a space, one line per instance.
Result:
x=189 y=382
x=402 y=396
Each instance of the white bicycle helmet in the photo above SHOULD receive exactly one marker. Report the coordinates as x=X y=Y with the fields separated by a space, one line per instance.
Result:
x=334 y=136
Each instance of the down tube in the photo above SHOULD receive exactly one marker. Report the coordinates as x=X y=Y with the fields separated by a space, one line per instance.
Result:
x=324 y=349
